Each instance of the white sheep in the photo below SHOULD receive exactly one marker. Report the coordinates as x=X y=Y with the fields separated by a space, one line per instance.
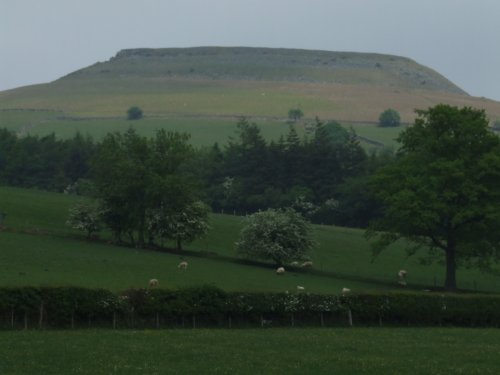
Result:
x=346 y=290
x=280 y=270
x=153 y=283
x=402 y=277
x=300 y=288
x=183 y=265
x=294 y=263
x=307 y=264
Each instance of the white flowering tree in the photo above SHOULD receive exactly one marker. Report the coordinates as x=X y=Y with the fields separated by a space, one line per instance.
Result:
x=278 y=235
x=183 y=225
x=85 y=216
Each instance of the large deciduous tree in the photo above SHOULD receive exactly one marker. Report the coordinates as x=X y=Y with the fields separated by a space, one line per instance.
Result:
x=277 y=235
x=442 y=191
x=135 y=176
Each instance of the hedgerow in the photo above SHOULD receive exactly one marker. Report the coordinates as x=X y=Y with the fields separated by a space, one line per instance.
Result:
x=208 y=306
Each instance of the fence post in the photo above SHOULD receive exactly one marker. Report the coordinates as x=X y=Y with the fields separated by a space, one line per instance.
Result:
x=40 y=319
x=349 y=317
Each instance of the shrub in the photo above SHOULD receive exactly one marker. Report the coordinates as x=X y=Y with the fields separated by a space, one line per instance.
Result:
x=134 y=113
x=389 y=118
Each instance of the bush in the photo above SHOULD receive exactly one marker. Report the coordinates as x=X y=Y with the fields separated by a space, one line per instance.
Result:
x=389 y=118
x=134 y=113
x=279 y=235
x=295 y=114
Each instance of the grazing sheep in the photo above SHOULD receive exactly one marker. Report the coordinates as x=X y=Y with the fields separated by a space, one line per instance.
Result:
x=346 y=290
x=402 y=277
x=307 y=264
x=300 y=288
x=153 y=283
x=183 y=265
x=280 y=271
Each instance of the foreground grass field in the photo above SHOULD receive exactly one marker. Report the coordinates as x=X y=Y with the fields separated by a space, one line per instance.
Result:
x=253 y=351
x=39 y=249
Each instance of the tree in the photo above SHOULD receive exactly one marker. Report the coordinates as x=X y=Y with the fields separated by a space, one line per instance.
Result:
x=295 y=114
x=134 y=113
x=279 y=235
x=442 y=192
x=85 y=216
x=389 y=118
x=185 y=225
x=247 y=163
x=134 y=174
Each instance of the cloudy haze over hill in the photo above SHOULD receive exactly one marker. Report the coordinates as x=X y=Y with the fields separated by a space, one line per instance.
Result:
x=42 y=41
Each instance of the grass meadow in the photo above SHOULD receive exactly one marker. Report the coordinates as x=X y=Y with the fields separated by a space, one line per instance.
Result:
x=203 y=131
x=98 y=96
x=39 y=249
x=383 y=351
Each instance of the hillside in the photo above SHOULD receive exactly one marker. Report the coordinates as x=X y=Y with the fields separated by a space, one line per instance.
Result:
x=193 y=86
x=38 y=248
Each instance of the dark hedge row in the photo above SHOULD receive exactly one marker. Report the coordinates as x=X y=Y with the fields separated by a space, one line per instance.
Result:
x=208 y=306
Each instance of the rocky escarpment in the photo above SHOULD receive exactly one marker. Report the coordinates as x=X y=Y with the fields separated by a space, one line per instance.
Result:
x=271 y=64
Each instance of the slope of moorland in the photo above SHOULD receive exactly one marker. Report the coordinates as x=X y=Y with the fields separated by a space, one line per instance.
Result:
x=37 y=248
x=194 y=86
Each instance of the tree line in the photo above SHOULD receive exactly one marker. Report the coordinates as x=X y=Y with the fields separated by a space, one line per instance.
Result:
x=322 y=175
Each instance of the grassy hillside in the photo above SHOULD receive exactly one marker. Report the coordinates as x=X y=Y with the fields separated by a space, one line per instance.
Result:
x=199 y=88
x=38 y=249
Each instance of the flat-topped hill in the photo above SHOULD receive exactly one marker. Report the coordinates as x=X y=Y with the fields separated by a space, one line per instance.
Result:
x=218 y=84
x=271 y=64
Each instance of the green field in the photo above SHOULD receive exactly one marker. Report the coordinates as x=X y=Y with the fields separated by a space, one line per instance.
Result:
x=39 y=249
x=203 y=131
x=253 y=351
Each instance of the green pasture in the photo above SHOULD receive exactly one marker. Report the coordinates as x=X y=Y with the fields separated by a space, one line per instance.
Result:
x=348 y=351
x=387 y=136
x=51 y=261
x=204 y=131
x=99 y=97
x=39 y=249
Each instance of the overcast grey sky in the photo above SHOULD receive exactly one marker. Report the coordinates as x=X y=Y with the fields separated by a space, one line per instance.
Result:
x=42 y=40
